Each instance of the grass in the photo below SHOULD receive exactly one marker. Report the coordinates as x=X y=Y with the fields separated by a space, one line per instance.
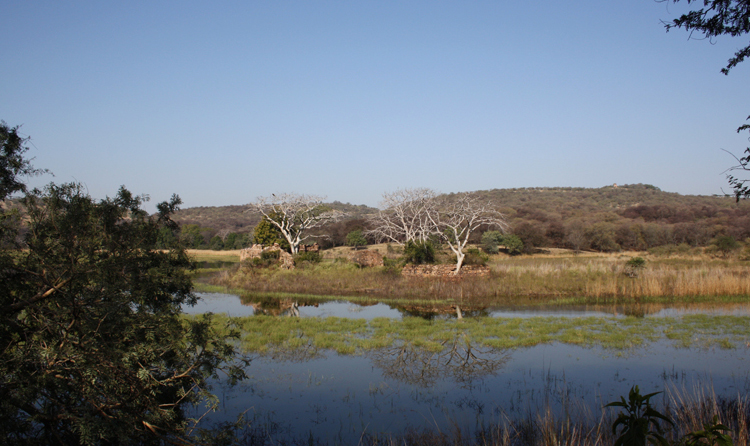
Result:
x=561 y=279
x=309 y=337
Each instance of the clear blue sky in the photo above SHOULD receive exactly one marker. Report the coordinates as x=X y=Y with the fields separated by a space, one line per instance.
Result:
x=222 y=102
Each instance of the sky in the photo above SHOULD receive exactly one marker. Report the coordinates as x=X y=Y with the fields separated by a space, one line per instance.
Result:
x=223 y=102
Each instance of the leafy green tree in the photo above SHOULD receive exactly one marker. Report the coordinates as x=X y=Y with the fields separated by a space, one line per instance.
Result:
x=95 y=350
x=216 y=243
x=13 y=165
x=235 y=240
x=266 y=233
x=356 y=239
x=513 y=244
x=491 y=241
x=192 y=236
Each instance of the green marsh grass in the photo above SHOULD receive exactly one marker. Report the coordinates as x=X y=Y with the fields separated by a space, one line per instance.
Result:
x=270 y=335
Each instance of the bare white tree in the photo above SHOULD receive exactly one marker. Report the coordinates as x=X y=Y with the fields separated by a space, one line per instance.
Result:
x=458 y=217
x=405 y=215
x=294 y=215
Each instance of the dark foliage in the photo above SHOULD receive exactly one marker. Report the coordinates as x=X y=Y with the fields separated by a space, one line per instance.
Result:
x=418 y=252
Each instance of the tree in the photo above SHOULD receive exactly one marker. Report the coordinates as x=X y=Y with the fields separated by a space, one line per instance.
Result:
x=294 y=215
x=513 y=244
x=491 y=240
x=94 y=347
x=13 y=165
x=356 y=239
x=404 y=216
x=718 y=18
x=266 y=233
x=458 y=217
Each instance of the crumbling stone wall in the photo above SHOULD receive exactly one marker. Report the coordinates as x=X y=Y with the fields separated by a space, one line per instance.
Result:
x=309 y=248
x=285 y=259
x=444 y=271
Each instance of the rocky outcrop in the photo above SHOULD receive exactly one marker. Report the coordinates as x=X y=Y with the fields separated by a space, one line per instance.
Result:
x=445 y=271
x=366 y=258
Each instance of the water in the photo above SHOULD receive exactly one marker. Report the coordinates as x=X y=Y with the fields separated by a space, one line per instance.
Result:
x=233 y=305
x=338 y=398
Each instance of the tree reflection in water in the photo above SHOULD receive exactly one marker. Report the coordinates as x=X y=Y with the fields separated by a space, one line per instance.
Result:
x=458 y=360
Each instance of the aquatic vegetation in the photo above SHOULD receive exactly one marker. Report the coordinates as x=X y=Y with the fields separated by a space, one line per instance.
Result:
x=271 y=335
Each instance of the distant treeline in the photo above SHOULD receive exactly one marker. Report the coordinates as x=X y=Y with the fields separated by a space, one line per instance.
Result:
x=612 y=218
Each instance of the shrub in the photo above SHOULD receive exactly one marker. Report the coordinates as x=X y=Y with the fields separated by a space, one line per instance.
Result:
x=634 y=266
x=725 y=244
x=266 y=259
x=310 y=257
x=513 y=244
x=419 y=252
x=491 y=241
x=475 y=257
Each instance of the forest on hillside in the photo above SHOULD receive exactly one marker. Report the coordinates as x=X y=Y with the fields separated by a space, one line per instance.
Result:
x=611 y=218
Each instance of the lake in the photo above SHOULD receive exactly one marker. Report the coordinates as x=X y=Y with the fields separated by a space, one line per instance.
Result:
x=337 y=398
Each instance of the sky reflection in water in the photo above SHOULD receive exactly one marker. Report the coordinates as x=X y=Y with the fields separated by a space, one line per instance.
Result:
x=337 y=398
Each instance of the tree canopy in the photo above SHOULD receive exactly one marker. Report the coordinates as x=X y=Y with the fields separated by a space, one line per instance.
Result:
x=722 y=18
x=95 y=350
x=717 y=18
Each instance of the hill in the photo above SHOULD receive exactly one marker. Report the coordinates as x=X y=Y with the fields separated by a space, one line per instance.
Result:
x=609 y=218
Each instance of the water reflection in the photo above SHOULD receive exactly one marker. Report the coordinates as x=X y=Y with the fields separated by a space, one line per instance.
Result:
x=455 y=360
x=234 y=305
x=306 y=391
x=339 y=398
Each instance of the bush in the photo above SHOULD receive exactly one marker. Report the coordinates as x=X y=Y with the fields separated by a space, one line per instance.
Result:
x=634 y=266
x=491 y=241
x=419 y=252
x=725 y=244
x=391 y=266
x=475 y=257
x=513 y=244
x=310 y=257
x=266 y=259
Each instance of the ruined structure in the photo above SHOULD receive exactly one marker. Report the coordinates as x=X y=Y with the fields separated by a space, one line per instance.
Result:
x=286 y=260
x=444 y=271
x=366 y=258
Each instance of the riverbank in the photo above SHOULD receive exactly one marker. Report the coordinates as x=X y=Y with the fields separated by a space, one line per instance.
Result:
x=558 y=278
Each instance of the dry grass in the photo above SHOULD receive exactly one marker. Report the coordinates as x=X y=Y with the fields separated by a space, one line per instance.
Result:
x=560 y=277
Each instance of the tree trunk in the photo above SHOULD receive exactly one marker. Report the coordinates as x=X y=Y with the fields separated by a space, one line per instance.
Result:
x=459 y=262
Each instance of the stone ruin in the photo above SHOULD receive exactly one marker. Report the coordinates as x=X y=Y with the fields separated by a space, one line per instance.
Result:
x=366 y=258
x=444 y=271
x=286 y=260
